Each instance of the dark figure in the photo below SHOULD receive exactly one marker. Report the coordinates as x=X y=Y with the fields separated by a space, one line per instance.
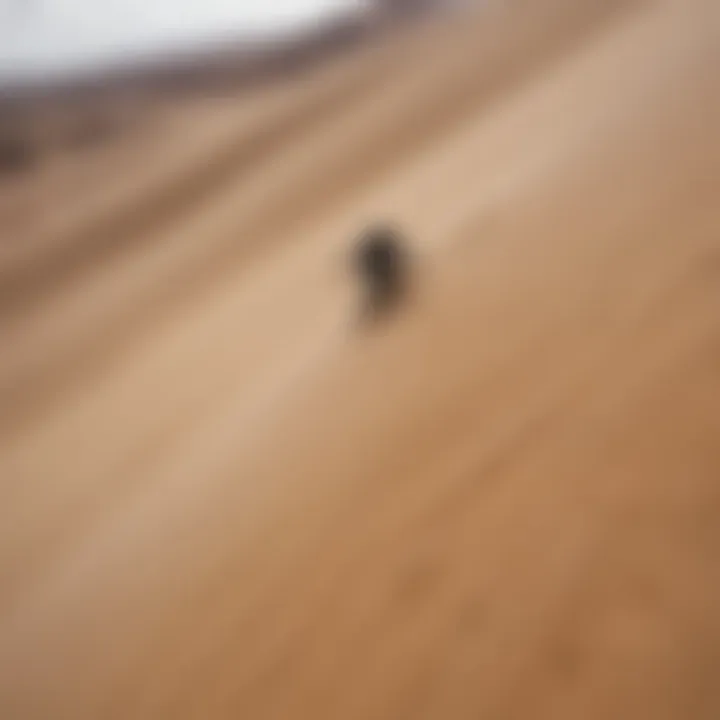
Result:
x=15 y=155
x=382 y=264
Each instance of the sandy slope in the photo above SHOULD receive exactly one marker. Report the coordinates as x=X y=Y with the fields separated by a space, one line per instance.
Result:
x=220 y=499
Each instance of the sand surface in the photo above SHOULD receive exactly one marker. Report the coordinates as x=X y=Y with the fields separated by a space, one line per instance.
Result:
x=221 y=498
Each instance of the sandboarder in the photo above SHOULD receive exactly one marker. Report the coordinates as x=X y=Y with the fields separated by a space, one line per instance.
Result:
x=381 y=263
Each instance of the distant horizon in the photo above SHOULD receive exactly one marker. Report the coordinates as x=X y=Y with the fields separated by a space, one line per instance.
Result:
x=44 y=40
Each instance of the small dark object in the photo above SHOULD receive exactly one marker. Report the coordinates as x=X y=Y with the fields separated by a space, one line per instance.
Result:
x=381 y=262
x=16 y=155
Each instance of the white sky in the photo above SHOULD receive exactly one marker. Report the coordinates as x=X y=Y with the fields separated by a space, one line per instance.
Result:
x=39 y=38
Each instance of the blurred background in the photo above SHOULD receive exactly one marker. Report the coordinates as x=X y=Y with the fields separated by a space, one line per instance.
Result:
x=49 y=39
x=227 y=492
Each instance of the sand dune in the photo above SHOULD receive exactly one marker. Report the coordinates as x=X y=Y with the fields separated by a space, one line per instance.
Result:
x=221 y=498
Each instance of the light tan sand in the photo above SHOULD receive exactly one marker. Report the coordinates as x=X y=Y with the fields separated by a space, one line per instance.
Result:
x=221 y=499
